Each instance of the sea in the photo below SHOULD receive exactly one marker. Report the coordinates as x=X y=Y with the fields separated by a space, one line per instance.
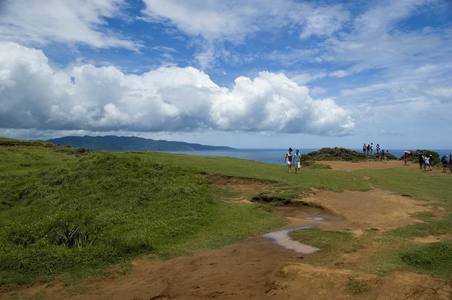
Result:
x=275 y=156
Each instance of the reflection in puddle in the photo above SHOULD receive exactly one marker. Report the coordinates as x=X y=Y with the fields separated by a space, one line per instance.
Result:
x=282 y=238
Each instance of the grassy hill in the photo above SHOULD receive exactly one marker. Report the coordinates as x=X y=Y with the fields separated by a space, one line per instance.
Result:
x=65 y=210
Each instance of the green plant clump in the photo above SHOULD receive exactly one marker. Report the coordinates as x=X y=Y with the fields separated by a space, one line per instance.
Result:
x=435 y=258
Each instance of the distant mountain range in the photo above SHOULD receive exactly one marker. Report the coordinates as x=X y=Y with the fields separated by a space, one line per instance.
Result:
x=130 y=143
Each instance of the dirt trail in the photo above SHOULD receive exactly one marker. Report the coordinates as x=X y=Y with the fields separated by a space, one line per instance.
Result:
x=252 y=269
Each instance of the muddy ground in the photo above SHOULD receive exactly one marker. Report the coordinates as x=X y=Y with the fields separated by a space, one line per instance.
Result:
x=257 y=268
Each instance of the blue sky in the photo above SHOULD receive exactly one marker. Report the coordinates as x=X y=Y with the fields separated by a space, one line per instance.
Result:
x=241 y=73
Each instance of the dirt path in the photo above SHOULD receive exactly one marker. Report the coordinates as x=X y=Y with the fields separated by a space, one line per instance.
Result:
x=252 y=269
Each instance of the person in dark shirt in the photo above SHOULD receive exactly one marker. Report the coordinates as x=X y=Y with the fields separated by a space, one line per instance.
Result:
x=450 y=162
x=289 y=158
x=445 y=162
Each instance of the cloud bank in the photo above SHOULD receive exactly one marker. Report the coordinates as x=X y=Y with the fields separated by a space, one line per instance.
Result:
x=33 y=94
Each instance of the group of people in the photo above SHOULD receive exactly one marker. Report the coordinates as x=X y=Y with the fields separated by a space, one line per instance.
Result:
x=293 y=160
x=368 y=149
x=426 y=162
x=446 y=160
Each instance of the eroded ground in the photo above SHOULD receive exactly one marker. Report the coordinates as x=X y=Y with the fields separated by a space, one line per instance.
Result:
x=256 y=268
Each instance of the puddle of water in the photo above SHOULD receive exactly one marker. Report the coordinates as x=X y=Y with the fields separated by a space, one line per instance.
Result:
x=282 y=238
x=315 y=218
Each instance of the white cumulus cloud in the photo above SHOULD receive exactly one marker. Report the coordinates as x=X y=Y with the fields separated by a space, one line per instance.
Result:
x=85 y=97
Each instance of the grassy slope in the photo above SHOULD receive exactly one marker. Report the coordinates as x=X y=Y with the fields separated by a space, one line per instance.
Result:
x=319 y=178
x=60 y=212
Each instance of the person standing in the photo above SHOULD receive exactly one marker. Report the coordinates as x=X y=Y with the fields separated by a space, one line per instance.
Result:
x=444 y=162
x=382 y=154
x=371 y=148
x=288 y=158
x=378 y=150
x=297 y=161
x=406 y=153
x=421 y=161
x=427 y=163
x=450 y=162
x=364 y=148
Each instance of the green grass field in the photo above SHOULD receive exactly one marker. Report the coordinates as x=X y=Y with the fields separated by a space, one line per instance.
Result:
x=66 y=211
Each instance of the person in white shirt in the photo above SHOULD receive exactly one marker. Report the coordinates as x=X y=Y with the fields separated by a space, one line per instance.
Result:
x=297 y=161
x=427 y=163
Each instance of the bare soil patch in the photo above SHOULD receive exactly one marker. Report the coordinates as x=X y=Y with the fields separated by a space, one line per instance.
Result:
x=246 y=188
x=242 y=185
x=312 y=282
x=372 y=209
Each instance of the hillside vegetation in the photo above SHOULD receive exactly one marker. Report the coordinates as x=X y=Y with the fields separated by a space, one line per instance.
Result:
x=66 y=210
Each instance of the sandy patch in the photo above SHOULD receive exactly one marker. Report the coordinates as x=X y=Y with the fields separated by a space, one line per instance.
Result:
x=311 y=282
x=371 y=209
